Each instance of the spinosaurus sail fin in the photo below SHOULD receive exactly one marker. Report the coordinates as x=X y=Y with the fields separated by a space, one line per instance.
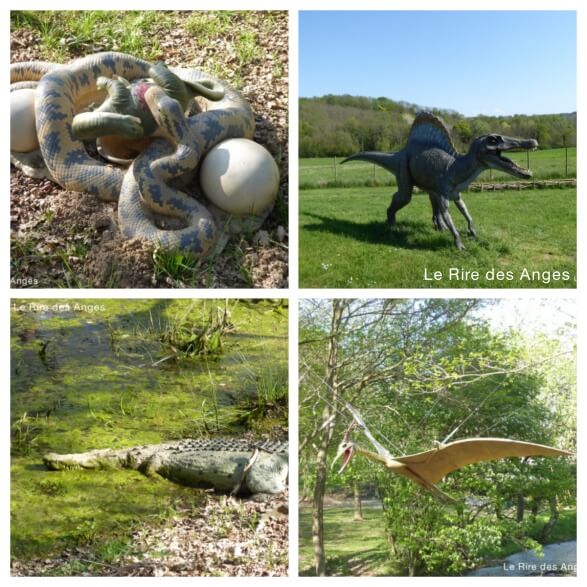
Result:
x=431 y=131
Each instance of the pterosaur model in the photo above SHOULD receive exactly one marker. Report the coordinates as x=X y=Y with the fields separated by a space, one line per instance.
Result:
x=429 y=467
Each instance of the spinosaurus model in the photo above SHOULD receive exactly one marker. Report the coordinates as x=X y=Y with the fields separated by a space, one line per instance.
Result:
x=431 y=162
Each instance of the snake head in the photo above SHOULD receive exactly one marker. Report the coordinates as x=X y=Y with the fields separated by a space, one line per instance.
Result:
x=171 y=83
x=207 y=88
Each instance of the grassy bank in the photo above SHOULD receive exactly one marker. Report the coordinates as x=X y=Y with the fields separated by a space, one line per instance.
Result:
x=346 y=243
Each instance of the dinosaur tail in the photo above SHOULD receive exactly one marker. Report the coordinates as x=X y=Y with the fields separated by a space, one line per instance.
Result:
x=388 y=161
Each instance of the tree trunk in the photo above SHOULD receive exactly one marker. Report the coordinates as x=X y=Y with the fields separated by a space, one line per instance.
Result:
x=358 y=510
x=535 y=508
x=498 y=512
x=553 y=503
x=521 y=508
x=328 y=415
x=392 y=544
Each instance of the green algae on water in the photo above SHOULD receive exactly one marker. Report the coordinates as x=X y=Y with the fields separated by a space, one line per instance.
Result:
x=88 y=374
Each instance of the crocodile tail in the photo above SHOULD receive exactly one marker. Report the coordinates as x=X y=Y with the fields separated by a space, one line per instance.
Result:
x=94 y=459
x=389 y=161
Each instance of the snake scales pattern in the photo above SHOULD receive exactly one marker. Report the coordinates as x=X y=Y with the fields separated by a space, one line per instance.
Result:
x=143 y=190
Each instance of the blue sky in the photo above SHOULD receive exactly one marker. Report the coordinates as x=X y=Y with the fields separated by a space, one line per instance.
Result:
x=474 y=62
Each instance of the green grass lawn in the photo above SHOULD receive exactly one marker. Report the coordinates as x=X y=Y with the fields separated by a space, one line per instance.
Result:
x=352 y=548
x=361 y=549
x=321 y=171
x=346 y=243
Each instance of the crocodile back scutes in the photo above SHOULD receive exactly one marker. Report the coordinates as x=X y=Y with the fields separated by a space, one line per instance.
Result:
x=227 y=445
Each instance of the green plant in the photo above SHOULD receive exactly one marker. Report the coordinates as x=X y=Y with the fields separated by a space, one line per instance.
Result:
x=24 y=432
x=185 y=338
x=51 y=488
x=269 y=400
x=175 y=265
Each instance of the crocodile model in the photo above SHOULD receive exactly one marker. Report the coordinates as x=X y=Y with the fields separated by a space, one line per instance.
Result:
x=224 y=464
x=430 y=161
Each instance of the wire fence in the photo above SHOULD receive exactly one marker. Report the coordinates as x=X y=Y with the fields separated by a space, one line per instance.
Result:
x=557 y=166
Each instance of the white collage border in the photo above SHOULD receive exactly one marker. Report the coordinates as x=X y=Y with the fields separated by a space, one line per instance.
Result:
x=294 y=293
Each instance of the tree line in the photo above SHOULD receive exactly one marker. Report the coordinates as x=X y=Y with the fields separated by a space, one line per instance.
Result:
x=341 y=125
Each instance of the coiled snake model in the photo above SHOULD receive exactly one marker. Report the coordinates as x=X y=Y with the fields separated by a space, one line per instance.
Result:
x=142 y=99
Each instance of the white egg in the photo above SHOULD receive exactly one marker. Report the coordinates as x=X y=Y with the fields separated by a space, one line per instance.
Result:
x=23 y=134
x=240 y=177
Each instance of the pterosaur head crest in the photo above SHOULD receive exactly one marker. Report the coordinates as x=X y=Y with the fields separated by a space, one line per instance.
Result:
x=489 y=150
x=346 y=450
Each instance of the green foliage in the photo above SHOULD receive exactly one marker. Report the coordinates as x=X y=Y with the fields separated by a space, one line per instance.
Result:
x=427 y=538
x=187 y=334
x=185 y=338
x=51 y=487
x=176 y=265
x=353 y=548
x=342 y=125
x=266 y=405
x=363 y=549
x=430 y=370
x=24 y=432
x=239 y=30
x=68 y=34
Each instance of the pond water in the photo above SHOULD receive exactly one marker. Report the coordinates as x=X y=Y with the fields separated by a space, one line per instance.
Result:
x=92 y=374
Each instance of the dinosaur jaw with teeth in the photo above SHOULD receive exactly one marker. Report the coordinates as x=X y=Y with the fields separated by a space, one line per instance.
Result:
x=502 y=163
x=496 y=159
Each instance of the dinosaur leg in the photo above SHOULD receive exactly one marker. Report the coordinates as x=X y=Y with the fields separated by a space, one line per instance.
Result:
x=447 y=219
x=403 y=195
x=436 y=218
x=460 y=204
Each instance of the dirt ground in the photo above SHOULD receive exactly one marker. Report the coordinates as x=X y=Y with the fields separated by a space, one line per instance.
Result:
x=66 y=239
x=225 y=537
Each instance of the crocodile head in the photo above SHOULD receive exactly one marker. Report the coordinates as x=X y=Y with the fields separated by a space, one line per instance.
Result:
x=489 y=150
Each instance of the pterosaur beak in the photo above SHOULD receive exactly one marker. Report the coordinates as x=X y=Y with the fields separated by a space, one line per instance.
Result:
x=345 y=452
